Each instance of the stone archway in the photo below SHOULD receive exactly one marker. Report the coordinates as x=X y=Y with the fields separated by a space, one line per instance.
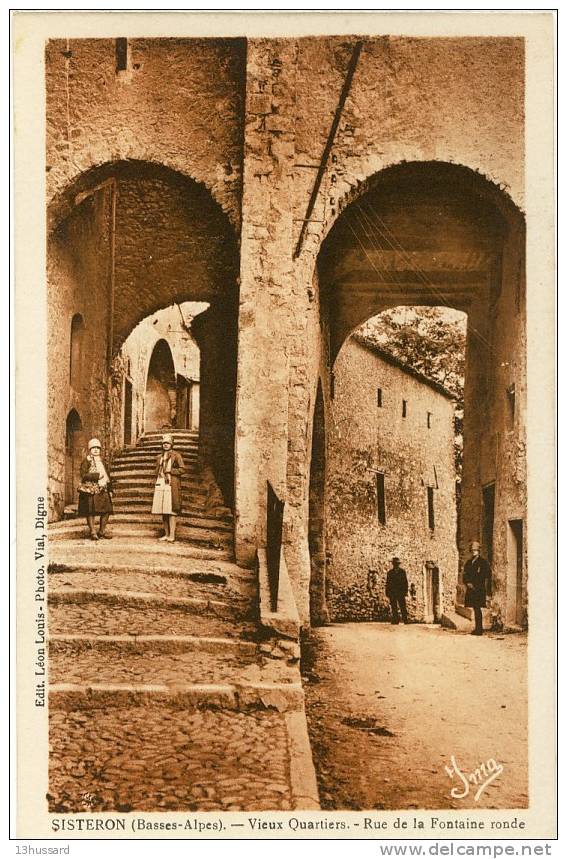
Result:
x=127 y=239
x=161 y=389
x=439 y=234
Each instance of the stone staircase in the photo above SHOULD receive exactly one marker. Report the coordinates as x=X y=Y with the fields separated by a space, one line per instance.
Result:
x=205 y=523
x=164 y=691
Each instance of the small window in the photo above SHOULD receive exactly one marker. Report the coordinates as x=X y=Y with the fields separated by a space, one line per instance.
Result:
x=332 y=386
x=379 y=398
x=511 y=394
x=404 y=408
x=430 y=508
x=381 y=498
x=121 y=55
x=428 y=420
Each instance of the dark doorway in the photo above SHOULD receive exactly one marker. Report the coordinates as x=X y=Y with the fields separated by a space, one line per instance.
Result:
x=127 y=411
x=76 y=352
x=74 y=445
x=516 y=572
x=316 y=533
x=488 y=495
x=183 y=403
x=161 y=394
x=433 y=609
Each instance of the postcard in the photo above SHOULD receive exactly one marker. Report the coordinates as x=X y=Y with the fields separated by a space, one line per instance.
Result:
x=285 y=352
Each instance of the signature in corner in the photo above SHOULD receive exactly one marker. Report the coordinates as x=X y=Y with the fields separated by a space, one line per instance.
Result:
x=480 y=778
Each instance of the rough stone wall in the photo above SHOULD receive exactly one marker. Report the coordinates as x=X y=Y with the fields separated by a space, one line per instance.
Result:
x=172 y=244
x=266 y=277
x=495 y=447
x=78 y=272
x=365 y=438
x=179 y=103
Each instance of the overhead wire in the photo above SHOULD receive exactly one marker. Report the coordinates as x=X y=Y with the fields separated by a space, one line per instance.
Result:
x=386 y=233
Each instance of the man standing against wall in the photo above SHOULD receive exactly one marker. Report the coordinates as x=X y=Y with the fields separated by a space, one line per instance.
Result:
x=397 y=590
x=476 y=578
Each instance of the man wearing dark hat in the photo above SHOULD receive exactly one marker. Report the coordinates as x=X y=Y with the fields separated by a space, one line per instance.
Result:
x=397 y=590
x=477 y=580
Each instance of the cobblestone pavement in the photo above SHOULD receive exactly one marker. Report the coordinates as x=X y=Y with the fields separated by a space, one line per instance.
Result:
x=160 y=758
x=156 y=751
x=237 y=592
x=100 y=619
x=388 y=706
x=147 y=551
x=173 y=669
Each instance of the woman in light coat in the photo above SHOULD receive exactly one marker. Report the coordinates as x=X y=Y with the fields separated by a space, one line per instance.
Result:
x=95 y=497
x=167 y=492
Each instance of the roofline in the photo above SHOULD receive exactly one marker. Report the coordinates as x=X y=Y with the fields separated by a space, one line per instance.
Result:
x=401 y=365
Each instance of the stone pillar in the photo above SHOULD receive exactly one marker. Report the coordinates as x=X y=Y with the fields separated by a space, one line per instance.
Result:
x=266 y=276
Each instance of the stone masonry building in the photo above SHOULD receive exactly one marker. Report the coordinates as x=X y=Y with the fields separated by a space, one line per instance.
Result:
x=298 y=186
x=391 y=487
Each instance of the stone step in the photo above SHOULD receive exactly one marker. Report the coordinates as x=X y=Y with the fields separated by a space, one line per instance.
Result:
x=468 y=613
x=185 y=760
x=157 y=448
x=206 y=538
x=140 y=477
x=106 y=618
x=140 y=548
x=188 y=518
x=141 y=493
x=177 y=433
x=148 y=464
x=147 y=451
x=137 y=507
x=150 y=459
x=193 y=505
x=456 y=622
x=193 y=508
x=69 y=595
x=146 y=664
x=138 y=481
x=237 y=589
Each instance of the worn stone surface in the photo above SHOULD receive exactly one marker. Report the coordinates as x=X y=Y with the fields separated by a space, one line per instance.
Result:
x=151 y=667
x=405 y=700
x=148 y=582
x=158 y=708
x=162 y=758
x=116 y=115
x=97 y=619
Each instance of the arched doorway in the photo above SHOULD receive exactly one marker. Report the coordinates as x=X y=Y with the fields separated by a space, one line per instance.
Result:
x=74 y=451
x=437 y=234
x=126 y=240
x=76 y=352
x=316 y=528
x=161 y=389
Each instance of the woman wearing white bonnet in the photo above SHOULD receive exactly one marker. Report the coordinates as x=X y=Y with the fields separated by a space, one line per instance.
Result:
x=95 y=491
x=167 y=492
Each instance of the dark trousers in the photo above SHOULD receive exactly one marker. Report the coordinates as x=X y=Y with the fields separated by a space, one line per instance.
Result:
x=398 y=602
x=477 y=619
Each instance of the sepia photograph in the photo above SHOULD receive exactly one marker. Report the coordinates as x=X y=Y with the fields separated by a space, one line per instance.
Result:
x=286 y=395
